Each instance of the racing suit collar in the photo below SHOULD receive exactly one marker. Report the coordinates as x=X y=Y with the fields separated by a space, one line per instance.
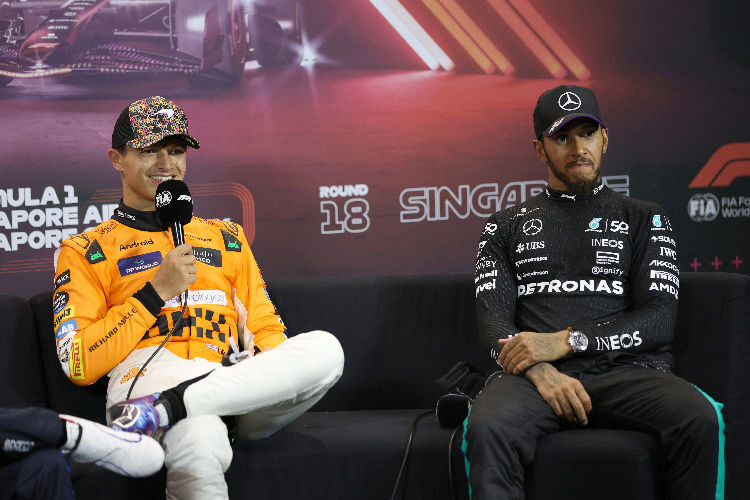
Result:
x=137 y=219
x=555 y=194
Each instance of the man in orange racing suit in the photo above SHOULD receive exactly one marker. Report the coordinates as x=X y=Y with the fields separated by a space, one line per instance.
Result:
x=117 y=296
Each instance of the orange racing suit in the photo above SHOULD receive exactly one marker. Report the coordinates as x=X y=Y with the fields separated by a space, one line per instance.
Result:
x=104 y=306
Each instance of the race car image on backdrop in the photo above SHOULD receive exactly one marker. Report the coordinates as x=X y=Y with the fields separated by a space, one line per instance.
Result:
x=208 y=41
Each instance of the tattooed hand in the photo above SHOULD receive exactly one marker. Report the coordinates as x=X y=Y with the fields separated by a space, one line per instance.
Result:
x=529 y=348
x=565 y=395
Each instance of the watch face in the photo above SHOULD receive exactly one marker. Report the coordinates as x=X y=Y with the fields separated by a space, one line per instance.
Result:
x=577 y=341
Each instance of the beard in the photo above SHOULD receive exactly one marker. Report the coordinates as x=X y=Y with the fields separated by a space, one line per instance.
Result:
x=576 y=184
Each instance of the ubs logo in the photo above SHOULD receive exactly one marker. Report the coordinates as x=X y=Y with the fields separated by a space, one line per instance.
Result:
x=530 y=245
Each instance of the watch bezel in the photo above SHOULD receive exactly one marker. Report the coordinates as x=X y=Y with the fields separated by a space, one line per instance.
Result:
x=578 y=341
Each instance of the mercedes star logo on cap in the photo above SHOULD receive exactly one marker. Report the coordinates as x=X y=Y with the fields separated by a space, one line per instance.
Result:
x=569 y=101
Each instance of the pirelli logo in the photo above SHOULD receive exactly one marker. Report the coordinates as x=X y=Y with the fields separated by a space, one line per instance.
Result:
x=74 y=361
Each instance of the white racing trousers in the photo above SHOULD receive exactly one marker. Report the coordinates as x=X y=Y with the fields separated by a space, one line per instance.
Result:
x=266 y=392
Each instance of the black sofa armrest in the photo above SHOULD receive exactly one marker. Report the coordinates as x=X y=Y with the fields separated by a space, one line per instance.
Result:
x=712 y=337
x=712 y=350
x=64 y=396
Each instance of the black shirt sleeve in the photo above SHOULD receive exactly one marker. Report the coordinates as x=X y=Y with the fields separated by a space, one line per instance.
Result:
x=495 y=287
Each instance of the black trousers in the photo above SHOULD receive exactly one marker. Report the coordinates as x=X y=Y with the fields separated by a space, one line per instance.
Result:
x=31 y=465
x=509 y=417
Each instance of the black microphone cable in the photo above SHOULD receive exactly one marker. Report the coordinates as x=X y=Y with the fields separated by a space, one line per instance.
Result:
x=404 y=461
x=177 y=324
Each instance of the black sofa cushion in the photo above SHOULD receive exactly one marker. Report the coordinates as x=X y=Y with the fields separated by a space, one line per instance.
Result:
x=399 y=333
x=21 y=369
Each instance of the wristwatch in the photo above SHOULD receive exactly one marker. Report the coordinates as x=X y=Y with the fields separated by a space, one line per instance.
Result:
x=577 y=340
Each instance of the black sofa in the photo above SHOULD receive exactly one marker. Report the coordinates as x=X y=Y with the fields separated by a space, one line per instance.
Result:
x=399 y=334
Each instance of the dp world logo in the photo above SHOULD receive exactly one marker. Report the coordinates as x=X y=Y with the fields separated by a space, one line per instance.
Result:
x=703 y=207
x=163 y=199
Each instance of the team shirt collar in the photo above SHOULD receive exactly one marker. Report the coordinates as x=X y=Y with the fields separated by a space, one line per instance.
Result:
x=137 y=219
x=555 y=194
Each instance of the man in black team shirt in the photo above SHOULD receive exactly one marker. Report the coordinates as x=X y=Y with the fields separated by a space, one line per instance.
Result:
x=576 y=300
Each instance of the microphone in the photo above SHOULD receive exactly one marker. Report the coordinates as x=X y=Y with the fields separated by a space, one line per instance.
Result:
x=452 y=409
x=174 y=206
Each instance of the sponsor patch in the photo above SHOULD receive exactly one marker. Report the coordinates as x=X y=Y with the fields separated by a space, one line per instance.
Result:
x=557 y=286
x=605 y=258
x=132 y=373
x=63 y=315
x=82 y=240
x=604 y=242
x=532 y=227
x=233 y=228
x=530 y=245
x=135 y=244
x=490 y=285
x=607 y=270
x=65 y=328
x=63 y=346
x=17 y=445
x=231 y=243
x=665 y=287
x=663 y=239
x=60 y=301
x=199 y=297
x=74 y=361
x=209 y=256
x=594 y=225
x=138 y=263
x=616 y=342
x=62 y=279
x=95 y=254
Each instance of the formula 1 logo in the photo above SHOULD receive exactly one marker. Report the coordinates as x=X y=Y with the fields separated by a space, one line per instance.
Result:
x=728 y=163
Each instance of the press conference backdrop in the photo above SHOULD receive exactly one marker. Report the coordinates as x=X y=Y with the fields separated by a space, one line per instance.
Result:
x=364 y=161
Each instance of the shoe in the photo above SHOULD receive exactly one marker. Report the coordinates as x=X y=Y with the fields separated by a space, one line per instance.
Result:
x=121 y=452
x=137 y=415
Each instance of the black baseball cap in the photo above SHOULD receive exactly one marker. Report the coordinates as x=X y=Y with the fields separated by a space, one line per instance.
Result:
x=147 y=121
x=558 y=106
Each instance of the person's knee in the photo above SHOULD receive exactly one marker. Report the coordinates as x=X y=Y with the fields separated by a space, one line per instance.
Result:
x=326 y=350
x=198 y=445
x=487 y=426
x=703 y=418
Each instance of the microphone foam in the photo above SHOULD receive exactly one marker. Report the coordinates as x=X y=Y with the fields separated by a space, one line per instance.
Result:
x=173 y=203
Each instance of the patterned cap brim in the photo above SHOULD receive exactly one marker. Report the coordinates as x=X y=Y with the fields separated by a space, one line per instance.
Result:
x=148 y=140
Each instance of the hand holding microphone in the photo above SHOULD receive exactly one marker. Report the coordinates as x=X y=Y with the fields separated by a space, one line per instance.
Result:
x=177 y=272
